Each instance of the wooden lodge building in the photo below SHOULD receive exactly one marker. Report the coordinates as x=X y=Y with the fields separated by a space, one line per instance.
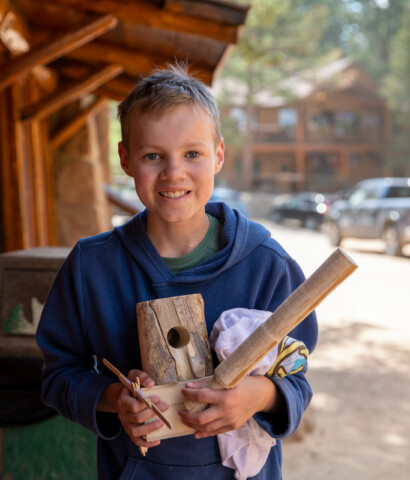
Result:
x=332 y=135
x=60 y=62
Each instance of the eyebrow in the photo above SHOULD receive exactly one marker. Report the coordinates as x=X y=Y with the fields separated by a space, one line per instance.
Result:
x=187 y=145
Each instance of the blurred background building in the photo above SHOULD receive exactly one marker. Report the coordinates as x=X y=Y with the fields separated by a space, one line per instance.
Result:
x=331 y=134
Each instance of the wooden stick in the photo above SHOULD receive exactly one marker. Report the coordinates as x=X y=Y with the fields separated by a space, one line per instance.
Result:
x=142 y=449
x=285 y=318
x=136 y=392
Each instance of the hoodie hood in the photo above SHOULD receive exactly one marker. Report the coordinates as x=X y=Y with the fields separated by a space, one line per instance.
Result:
x=240 y=237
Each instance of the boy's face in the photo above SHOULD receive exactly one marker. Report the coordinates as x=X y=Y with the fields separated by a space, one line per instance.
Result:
x=173 y=160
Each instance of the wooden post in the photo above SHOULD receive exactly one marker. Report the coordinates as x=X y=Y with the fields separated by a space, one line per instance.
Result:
x=14 y=221
x=39 y=186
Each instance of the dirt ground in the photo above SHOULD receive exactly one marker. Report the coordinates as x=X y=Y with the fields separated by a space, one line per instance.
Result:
x=359 y=418
x=361 y=408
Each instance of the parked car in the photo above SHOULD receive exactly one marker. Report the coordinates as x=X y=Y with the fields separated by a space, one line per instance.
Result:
x=230 y=197
x=377 y=208
x=308 y=208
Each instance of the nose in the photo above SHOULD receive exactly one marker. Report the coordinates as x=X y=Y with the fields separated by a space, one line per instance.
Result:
x=173 y=168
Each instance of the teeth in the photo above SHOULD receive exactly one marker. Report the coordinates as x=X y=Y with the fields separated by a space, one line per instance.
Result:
x=174 y=194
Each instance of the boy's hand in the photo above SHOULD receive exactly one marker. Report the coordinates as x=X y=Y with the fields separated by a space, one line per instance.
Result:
x=133 y=414
x=229 y=409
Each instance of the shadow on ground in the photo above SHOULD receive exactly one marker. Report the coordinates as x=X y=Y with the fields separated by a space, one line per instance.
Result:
x=361 y=408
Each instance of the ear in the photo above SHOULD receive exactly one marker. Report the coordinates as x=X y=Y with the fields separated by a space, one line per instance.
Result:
x=124 y=160
x=220 y=156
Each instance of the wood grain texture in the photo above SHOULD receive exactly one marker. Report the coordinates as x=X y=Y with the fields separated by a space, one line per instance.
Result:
x=173 y=339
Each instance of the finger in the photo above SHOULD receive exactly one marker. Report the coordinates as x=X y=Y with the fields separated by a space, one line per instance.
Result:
x=193 y=419
x=218 y=431
x=208 y=422
x=140 y=442
x=145 y=414
x=145 y=379
x=138 y=432
x=202 y=395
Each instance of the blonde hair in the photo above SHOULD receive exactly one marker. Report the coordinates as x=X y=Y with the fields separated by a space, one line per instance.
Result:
x=164 y=89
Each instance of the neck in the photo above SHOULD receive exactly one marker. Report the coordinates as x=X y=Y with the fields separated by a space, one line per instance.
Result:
x=177 y=239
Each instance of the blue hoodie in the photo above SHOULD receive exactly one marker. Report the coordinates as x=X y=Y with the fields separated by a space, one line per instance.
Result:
x=90 y=314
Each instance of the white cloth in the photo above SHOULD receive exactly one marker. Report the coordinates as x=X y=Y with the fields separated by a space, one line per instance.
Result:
x=245 y=449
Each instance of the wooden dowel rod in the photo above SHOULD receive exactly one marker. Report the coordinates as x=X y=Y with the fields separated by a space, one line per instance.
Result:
x=285 y=318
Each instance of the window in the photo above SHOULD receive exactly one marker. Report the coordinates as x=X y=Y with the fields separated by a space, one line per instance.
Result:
x=398 y=192
x=287 y=117
x=239 y=115
x=346 y=124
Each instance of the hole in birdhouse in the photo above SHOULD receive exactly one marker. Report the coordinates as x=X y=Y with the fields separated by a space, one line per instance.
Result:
x=178 y=337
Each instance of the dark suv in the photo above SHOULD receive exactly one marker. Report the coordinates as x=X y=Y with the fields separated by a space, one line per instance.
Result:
x=377 y=208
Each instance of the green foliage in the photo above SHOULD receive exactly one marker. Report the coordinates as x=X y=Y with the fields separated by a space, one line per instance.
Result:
x=397 y=81
x=15 y=320
x=279 y=39
x=55 y=449
x=115 y=137
x=396 y=88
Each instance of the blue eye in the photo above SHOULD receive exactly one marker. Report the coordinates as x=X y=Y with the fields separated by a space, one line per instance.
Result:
x=152 y=156
x=193 y=154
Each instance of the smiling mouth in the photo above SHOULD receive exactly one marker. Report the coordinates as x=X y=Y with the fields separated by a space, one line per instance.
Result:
x=178 y=194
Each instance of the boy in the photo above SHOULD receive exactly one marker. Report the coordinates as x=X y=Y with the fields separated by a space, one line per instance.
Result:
x=172 y=147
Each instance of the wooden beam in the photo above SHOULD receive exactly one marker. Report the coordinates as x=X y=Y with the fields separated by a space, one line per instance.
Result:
x=228 y=12
x=71 y=128
x=151 y=15
x=105 y=92
x=60 y=99
x=13 y=32
x=118 y=88
x=134 y=62
x=13 y=218
x=51 y=51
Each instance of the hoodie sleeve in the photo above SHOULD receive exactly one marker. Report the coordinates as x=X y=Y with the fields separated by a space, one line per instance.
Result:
x=71 y=384
x=295 y=388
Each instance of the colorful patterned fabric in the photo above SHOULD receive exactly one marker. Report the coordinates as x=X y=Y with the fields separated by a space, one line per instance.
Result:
x=292 y=357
